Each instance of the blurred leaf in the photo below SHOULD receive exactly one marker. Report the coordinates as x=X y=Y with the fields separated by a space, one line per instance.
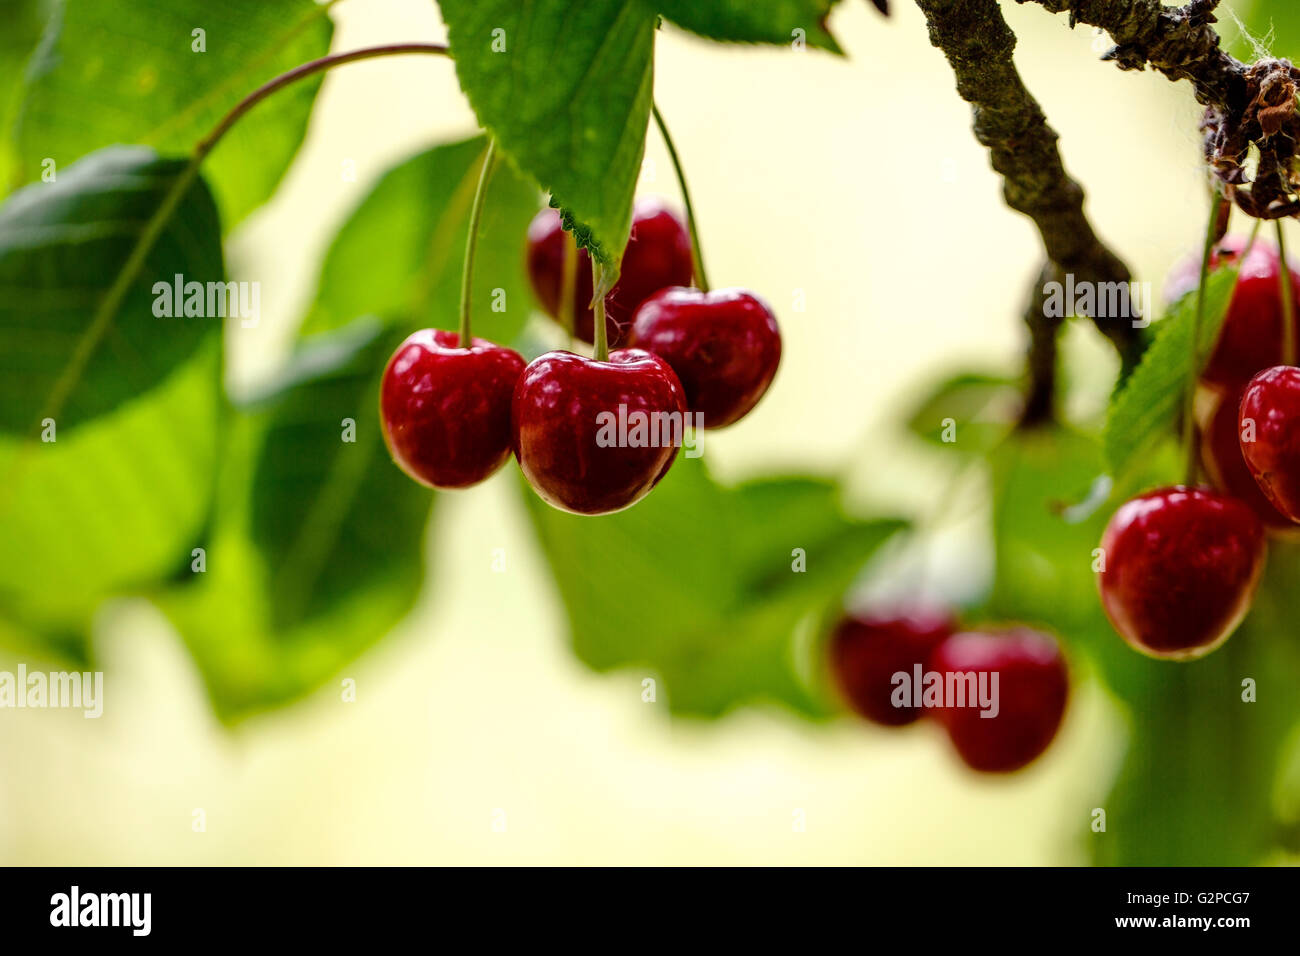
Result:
x=568 y=98
x=125 y=71
x=1276 y=23
x=1147 y=407
x=982 y=409
x=317 y=549
x=25 y=21
x=78 y=333
x=400 y=251
x=111 y=507
x=753 y=21
x=696 y=584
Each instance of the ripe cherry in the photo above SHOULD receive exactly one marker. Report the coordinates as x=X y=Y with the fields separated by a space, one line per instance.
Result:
x=1270 y=414
x=658 y=254
x=724 y=346
x=1180 y=570
x=1251 y=339
x=1028 y=697
x=445 y=410
x=594 y=437
x=866 y=652
x=1222 y=456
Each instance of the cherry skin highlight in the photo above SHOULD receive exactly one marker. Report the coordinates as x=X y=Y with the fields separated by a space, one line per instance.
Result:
x=1270 y=407
x=1221 y=453
x=1251 y=339
x=724 y=345
x=866 y=652
x=1181 y=569
x=445 y=410
x=1030 y=696
x=594 y=437
x=658 y=254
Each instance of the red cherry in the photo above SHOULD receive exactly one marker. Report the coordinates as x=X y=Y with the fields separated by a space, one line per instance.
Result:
x=445 y=411
x=1252 y=331
x=1270 y=408
x=866 y=652
x=658 y=254
x=1221 y=454
x=594 y=437
x=1027 y=700
x=724 y=346
x=1181 y=568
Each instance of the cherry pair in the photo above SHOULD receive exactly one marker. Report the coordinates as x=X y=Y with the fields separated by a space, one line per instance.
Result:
x=875 y=659
x=451 y=417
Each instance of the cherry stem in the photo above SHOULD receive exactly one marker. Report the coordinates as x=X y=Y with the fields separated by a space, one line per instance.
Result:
x=1194 y=366
x=599 y=336
x=701 y=279
x=1288 y=300
x=302 y=71
x=471 y=242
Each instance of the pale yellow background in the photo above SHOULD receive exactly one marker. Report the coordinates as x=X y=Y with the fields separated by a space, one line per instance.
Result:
x=856 y=181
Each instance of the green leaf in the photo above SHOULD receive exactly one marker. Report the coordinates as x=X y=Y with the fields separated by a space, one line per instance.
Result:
x=566 y=90
x=25 y=22
x=696 y=584
x=112 y=507
x=754 y=21
x=79 y=259
x=399 y=254
x=1276 y=23
x=317 y=547
x=977 y=410
x=126 y=71
x=1147 y=407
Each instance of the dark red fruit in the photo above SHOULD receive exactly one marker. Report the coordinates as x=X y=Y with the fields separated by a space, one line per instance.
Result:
x=1251 y=339
x=724 y=346
x=445 y=411
x=658 y=254
x=576 y=423
x=1029 y=696
x=866 y=652
x=1181 y=568
x=1270 y=408
x=1227 y=468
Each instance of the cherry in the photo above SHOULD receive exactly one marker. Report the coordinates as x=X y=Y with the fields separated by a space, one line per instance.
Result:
x=445 y=410
x=1181 y=568
x=866 y=652
x=658 y=254
x=1028 y=699
x=1252 y=331
x=1222 y=456
x=724 y=346
x=1270 y=407
x=594 y=437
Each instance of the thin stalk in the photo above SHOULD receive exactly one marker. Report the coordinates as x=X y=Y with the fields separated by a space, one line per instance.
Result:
x=700 y=277
x=599 y=335
x=1194 y=366
x=471 y=242
x=1288 y=300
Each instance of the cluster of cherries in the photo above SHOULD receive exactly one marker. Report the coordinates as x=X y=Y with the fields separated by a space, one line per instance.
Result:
x=451 y=416
x=1181 y=564
x=869 y=654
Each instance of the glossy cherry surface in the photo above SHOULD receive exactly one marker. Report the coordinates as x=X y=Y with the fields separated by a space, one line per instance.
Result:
x=658 y=254
x=866 y=652
x=1181 y=568
x=723 y=344
x=1271 y=404
x=594 y=437
x=445 y=410
x=1226 y=466
x=1251 y=339
x=1028 y=698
